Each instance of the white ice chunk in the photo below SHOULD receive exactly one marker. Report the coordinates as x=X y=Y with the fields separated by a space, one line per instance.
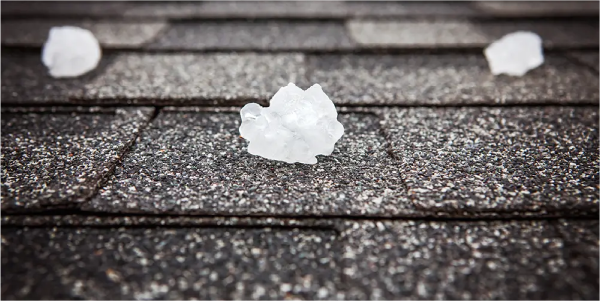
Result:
x=297 y=126
x=515 y=53
x=70 y=51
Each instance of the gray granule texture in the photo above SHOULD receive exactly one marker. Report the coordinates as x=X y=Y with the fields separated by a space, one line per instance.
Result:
x=57 y=158
x=263 y=35
x=512 y=159
x=436 y=34
x=195 y=79
x=447 y=80
x=25 y=80
x=471 y=260
x=164 y=263
x=196 y=163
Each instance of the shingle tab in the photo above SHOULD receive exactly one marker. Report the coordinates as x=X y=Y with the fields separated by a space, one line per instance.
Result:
x=537 y=8
x=63 y=8
x=447 y=79
x=164 y=263
x=195 y=78
x=164 y=10
x=461 y=34
x=274 y=9
x=56 y=158
x=409 y=9
x=263 y=35
x=34 y=33
x=196 y=163
x=26 y=80
x=471 y=260
x=469 y=161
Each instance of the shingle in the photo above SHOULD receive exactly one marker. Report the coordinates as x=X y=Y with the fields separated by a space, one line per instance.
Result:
x=57 y=157
x=468 y=161
x=417 y=34
x=274 y=9
x=408 y=9
x=581 y=250
x=296 y=9
x=447 y=79
x=195 y=163
x=537 y=8
x=34 y=33
x=25 y=80
x=461 y=34
x=63 y=8
x=260 y=35
x=470 y=260
x=589 y=58
x=195 y=78
x=167 y=263
x=172 y=10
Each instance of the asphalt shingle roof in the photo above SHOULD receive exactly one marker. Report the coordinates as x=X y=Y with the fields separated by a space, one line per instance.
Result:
x=132 y=181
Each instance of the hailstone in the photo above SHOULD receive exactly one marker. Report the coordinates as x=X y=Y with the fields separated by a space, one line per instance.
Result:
x=297 y=126
x=515 y=53
x=70 y=51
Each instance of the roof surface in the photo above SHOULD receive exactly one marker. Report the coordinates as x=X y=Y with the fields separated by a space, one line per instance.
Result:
x=132 y=181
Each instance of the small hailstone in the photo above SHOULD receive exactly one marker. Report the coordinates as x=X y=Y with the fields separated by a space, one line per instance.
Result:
x=515 y=53
x=70 y=51
x=297 y=126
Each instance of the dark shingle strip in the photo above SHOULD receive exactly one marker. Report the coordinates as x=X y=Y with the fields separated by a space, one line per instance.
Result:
x=70 y=9
x=266 y=35
x=537 y=8
x=297 y=9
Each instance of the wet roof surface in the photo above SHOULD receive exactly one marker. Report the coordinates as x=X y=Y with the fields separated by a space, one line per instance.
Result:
x=449 y=183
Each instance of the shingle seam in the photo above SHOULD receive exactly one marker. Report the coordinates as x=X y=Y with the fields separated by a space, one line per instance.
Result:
x=112 y=165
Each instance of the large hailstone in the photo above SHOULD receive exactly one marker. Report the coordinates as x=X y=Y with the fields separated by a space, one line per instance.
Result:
x=70 y=51
x=515 y=53
x=297 y=126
